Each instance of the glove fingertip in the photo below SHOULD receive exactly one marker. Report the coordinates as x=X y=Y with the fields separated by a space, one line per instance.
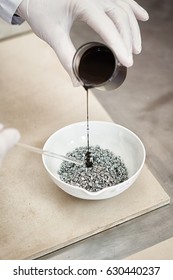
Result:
x=144 y=15
x=12 y=136
x=16 y=135
x=75 y=82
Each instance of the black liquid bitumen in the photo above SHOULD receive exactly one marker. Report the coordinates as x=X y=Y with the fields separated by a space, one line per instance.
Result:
x=96 y=67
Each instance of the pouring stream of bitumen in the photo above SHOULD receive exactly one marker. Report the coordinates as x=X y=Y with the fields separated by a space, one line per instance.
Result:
x=95 y=66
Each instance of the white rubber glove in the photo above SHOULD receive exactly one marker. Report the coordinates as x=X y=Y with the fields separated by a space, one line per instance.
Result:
x=114 y=20
x=8 y=138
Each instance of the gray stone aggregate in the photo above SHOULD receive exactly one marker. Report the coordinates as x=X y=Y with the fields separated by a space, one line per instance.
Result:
x=107 y=169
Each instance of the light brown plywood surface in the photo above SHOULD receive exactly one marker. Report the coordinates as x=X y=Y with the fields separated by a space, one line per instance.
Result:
x=36 y=217
x=160 y=251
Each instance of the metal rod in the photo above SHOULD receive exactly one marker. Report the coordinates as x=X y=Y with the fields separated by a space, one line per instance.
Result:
x=47 y=153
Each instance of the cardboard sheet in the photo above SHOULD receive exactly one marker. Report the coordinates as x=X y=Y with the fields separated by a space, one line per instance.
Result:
x=36 y=217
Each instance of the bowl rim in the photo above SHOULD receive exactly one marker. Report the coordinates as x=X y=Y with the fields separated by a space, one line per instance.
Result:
x=104 y=189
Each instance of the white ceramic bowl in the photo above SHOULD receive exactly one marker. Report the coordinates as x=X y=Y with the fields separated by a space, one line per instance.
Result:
x=118 y=139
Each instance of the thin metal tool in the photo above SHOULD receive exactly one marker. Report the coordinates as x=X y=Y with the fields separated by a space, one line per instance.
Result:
x=49 y=154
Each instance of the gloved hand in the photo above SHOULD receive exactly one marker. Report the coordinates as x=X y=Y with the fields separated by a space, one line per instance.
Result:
x=8 y=138
x=114 y=20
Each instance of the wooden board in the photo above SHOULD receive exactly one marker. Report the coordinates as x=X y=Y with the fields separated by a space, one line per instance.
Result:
x=160 y=251
x=36 y=217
